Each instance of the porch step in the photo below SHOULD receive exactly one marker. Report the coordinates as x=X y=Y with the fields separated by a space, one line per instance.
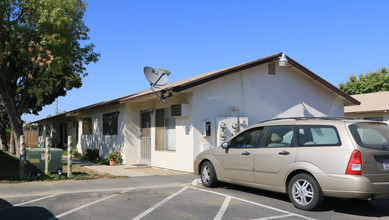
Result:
x=140 y=165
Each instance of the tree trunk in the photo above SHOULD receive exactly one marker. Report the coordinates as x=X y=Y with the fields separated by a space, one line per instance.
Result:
x=3 y=135
x=3 y=139
x=12 y=149
x=15 y=118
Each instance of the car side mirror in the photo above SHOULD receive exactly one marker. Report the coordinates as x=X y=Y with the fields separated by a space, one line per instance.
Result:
x=224 y=145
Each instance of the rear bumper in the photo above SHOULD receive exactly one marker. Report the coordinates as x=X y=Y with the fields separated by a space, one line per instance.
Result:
x=352 y=186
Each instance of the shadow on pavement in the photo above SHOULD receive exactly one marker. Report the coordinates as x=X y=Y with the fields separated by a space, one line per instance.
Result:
x=378 y=208
x=7 y=211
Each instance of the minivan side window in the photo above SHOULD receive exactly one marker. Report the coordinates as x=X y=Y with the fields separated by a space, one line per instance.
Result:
x=278 y=136
x=317 y=135
x=248 y=139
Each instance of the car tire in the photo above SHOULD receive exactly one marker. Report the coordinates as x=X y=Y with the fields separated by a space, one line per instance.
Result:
x=305 y=192
x=208 y=175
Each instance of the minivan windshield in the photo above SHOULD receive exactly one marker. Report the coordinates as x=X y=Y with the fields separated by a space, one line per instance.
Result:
x=371 y=135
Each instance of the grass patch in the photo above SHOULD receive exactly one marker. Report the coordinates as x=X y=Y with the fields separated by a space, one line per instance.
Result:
x=9 y=172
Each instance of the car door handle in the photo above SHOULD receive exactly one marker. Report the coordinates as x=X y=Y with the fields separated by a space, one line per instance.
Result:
x=246 y=153
x=284 y=152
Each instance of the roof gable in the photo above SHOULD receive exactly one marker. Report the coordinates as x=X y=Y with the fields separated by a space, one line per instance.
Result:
x=188 y=83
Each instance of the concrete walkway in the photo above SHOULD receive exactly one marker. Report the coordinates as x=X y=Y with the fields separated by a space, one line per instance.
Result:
x=128 y=170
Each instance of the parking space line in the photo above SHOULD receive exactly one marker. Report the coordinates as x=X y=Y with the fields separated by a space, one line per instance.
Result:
x=86 y=205
x=23 y=203
x=254 y=203
x=225 y=204
x=148 y=211
x=276 y=217
x=35 y=200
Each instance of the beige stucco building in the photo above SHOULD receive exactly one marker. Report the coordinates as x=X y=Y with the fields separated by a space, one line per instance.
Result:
x=171 y=134
x=374 y=106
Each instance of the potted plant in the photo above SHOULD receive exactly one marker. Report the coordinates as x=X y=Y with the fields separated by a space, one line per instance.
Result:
x=115 y=157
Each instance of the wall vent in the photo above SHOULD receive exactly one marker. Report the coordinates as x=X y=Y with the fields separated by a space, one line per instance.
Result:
x=179 y=110
x=271 y=68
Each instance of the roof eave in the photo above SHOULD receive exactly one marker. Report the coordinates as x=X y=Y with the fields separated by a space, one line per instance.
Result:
x=351 y=100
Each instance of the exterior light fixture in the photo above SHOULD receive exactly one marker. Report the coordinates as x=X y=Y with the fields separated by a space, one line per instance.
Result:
x=59 y=173
x=283 y=61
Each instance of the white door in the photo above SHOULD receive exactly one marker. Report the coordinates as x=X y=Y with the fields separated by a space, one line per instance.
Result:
x=145 y=138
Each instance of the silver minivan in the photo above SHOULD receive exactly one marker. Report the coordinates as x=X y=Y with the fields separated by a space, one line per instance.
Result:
x=307 y=158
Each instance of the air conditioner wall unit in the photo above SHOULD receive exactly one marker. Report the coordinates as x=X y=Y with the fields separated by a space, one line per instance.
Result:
x=179 y=110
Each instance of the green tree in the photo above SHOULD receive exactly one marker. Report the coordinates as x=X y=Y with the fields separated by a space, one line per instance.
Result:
x=41 y=55
x=377 y=81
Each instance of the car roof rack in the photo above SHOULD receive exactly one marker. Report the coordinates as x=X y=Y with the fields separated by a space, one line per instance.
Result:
x=310 y=118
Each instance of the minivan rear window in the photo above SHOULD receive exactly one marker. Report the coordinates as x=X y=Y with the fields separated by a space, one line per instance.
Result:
x=371 y=135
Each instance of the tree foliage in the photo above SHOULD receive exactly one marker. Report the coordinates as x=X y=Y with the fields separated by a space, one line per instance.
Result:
x=377 y=81
x=41 y=55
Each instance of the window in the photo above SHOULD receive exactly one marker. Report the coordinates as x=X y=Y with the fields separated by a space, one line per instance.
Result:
x=48 y=129
x=374 y=118
x=87 y=126
x=40 y=130
x=248 y=139
x=110 y=123
x=318 y=135
x=278 y=136
x=165 y=130
x=371 y=135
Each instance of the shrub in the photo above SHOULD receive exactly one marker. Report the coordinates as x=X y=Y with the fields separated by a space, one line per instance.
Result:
x=92 y=154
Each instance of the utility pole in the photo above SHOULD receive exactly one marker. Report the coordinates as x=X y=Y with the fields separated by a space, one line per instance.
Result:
x=56 y=107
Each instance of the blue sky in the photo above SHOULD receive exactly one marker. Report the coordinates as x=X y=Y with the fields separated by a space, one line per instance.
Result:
x=331 y=38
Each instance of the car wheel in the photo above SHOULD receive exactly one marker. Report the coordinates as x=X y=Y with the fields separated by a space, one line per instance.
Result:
x=208 y=175
x=305 y=192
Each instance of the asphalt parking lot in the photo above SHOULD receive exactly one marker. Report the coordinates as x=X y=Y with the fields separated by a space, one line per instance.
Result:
x=166 y=197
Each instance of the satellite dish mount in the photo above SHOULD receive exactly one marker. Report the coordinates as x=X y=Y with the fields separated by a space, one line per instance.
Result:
x=158 y=77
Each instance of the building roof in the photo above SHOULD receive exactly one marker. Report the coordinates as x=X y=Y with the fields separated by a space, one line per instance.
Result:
x=370 y=103
x=188 y=83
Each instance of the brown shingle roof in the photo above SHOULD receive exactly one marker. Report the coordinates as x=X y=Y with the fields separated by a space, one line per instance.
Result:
x=370 y=102
x=184 y=84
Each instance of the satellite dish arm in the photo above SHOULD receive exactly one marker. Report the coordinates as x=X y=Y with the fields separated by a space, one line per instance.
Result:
x=155 y=83
x=156 y=94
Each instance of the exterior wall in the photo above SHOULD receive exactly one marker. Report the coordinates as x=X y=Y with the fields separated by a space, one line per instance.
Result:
x=132 y=133
x=260 y=96
x=384 y=115
x=253 y=92
x=182 y=157
x=104 y=143
x=54 y=132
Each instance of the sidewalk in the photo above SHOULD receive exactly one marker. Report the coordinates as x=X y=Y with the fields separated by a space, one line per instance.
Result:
x=127 y=170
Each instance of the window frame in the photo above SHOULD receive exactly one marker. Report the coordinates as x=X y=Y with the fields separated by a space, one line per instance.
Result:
x=112 y=119
x=87 y=130
x=379 y=119
x=47 y=130
x=245 y=132
x=168 y=140
x=297 y=137
x=40 y=130
x=266 y=129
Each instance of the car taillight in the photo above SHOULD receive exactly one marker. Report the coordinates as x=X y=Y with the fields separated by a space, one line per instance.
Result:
x=354 y=166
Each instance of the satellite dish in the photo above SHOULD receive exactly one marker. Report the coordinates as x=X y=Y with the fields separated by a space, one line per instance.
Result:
x=156 y=77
